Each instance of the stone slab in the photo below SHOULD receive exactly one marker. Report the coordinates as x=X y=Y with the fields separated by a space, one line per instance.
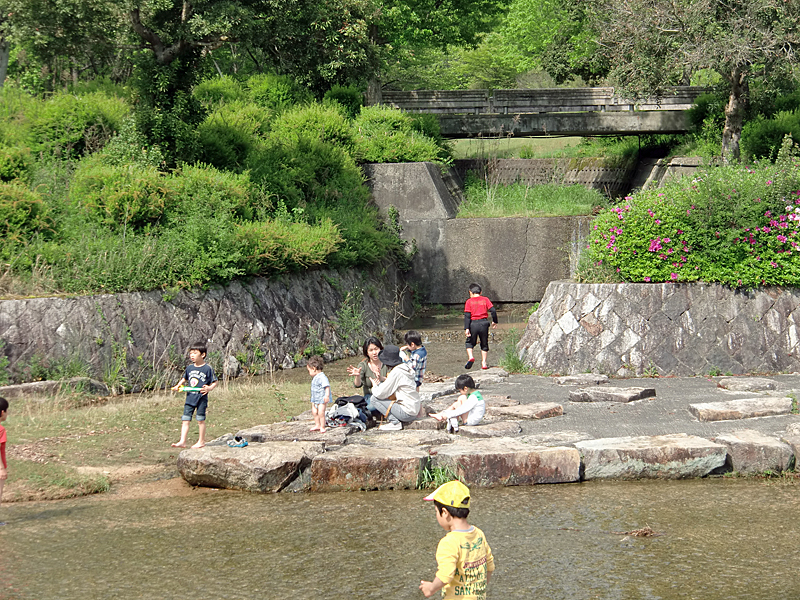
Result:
x=408 y=438
x=746 y=408
x=491 y=430
x=507 y=461
x=291 y=431
x=794 y=443
x=498 y=400
x=582 y=379
x=747 y=384
x=426 y=424
x=676 y=456
x=255 y=468
x=536 y=410
x=611 y=394
x=361 y=467
x=753 y=452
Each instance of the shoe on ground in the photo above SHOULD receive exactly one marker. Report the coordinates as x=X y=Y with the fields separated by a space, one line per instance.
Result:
x=484 y=368
x=469 y=364
x=237 y=442
x=391 y=427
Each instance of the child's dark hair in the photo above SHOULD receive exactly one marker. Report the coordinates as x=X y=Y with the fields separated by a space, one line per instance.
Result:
x=465 y=381
x=474 y=288
x=316 y=362
x=200 y=347
x=371 y=341
x=455 y=511
x=413 y=337
x=3 y=405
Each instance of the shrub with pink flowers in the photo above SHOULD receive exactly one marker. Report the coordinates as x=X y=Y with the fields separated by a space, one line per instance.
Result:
x=735 y=225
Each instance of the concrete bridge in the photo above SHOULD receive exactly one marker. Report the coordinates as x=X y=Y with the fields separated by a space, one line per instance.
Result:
x=549 y=111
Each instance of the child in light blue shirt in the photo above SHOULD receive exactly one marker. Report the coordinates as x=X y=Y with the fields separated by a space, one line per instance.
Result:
x=320 y=392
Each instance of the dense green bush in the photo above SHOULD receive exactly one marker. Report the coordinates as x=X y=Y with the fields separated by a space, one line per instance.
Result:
x=322 y=122
x=349 y=97
x=276 y=92
x=15 y=163
x=230 y=133
x=733 y=225
x=120 y=197
x=23 y=214
x=762 y=137
x=210 y=191
x=219 y=90
x=70 y=126
x=384 y=134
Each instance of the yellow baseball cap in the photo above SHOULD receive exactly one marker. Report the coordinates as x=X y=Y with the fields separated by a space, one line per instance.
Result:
x=452 y=493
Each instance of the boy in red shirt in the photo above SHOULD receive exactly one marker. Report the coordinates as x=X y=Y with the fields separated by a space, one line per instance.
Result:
x=476 y=324
x=3 y=464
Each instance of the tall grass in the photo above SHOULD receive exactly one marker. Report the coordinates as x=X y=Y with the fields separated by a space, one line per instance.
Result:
x=520 y=200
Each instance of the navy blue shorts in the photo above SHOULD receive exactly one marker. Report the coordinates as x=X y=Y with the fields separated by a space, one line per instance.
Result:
x=188 y=410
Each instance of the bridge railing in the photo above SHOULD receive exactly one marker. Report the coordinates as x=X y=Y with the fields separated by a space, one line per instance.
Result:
x=543 y=100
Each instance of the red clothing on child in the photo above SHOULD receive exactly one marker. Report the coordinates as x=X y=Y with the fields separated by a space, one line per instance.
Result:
x=478 y=307
x=3 y=446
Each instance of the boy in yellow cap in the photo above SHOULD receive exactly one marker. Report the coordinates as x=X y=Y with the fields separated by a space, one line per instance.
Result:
x=465 y=561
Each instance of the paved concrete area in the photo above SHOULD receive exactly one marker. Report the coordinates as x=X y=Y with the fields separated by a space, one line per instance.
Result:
x=668 y=412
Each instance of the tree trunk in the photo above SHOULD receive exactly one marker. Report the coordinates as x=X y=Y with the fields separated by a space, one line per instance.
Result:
x=734 y=115
x=374 y=92
x=5 y=51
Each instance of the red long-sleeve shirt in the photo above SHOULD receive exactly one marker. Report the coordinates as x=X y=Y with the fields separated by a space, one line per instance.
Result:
x=3 y=446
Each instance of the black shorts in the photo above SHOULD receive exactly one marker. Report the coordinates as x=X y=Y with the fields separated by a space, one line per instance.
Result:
x=479 y=329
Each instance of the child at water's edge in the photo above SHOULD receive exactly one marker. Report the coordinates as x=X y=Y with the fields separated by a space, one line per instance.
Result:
x=476 y=324
x=3 y=464
x=197 y=374
x=418 y=355
x=469 y=408
x=320 y=391
x=464 y=559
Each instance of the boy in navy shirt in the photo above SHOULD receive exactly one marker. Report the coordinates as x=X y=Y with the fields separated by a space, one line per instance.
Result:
x=197 y=375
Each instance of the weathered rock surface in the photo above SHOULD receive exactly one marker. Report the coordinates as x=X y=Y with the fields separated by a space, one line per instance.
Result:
x=794 y=443
x=255 y=468
x=536 y=410
x=627 y=329
x=746 y=408
x=507 y=461
x=491 y=430
x=496 y=400
x=752 y=452
x=747 y=384
x=295 y=431
x=557 y=438
x=611 y=394
x=676 y=456
x=271 y=315
x=407 y=437
x=424 y=425
x=582 y=379
x=361 y=467
x=85 y=385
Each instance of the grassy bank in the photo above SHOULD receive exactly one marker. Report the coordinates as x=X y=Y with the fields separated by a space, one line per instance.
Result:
x=70 y=446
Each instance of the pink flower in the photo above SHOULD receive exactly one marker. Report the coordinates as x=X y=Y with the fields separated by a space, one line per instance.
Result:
x=647 y=279
x=673 y=276
x=782 y=238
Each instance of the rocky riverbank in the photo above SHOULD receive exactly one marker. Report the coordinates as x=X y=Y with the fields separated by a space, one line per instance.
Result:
x=537 y=430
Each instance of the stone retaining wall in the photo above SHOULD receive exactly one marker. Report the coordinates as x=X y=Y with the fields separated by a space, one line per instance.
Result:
x=629 y=329
x=265 y=322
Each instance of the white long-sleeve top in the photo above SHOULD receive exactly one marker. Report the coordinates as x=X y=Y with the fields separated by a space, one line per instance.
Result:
x=400 y=382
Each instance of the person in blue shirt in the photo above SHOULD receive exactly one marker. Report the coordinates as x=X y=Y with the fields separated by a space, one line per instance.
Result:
x=197 y=375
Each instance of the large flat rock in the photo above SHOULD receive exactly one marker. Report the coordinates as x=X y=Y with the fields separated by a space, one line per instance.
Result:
x=753 y=452
x=491 y=430
x=582 y=379
x=255 y=468
x=362 y=467
x=676 y=456
x=611 y=394
x=747 y=384
x=422 y=438
x=793 y=439
x=291 y=431
x=535 y=410
x=507 y=461
x=746 y=408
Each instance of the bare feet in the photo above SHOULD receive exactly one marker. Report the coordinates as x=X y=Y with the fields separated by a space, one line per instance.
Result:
x=179 y=445
x=436 y=416
x=199 y=445
x=314 y=429
x=323 y=430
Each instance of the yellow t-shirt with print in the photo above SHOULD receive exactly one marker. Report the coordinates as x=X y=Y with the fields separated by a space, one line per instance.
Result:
x=464 y=558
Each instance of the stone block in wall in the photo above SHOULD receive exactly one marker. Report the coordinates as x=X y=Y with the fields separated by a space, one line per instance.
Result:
x=753 y=452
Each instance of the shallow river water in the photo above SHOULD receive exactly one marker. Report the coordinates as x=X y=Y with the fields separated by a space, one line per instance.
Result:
x=718 y=539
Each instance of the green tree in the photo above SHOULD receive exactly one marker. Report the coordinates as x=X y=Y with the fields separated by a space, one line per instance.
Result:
x=651 y=44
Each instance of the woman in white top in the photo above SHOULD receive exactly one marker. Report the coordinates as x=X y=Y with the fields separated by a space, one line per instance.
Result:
x=397 y=397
